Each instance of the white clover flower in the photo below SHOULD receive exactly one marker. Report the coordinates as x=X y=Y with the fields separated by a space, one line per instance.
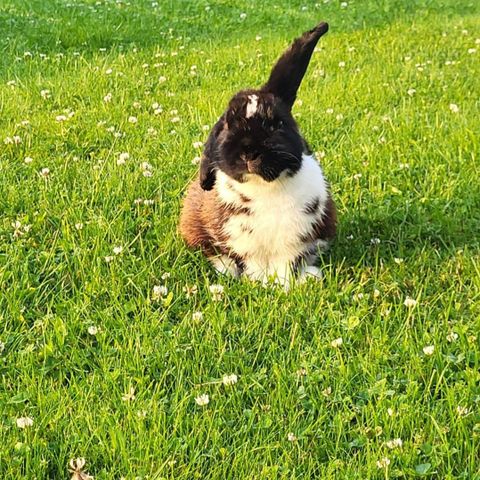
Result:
x=24 y=422
x=149 y=202
x=118 y=250
x=216 y=291
x=452 y=337
x=107 y=98
x=147 y=173
x=132 y=119
x=108 y=71
x=395 y=443
x=326 y=392
x=45 y=94
x=398 y=261
x=243 y=16
x=129 y=396
x=375 y=241
x=291 y=437
x=411 y=92
x=337 y=342
x=159 y=291
x=341 y=64
x=92 y=330
x=76 y=468
x=61 y=118
x=329 y=111
x=175 y=119
x=301 y=372
x=428 y=350
x=202 y=400
x=196 y=160
x=376 y=293
x=45 y=172
x=462 y=411
x=146 y=166
x=162 y=79
x=20 y=230
x=390 y=412
x=2 y=346
x=11 y=83
x=383 y=462
x=197 y=317
x=197 y=144
x=454 y=108
x=229 y=380
x=410 y=302
x=122 y=158
x=190 y=291
x=258 y=38
x=109 y=258
x=344 y=5
x=472 y=51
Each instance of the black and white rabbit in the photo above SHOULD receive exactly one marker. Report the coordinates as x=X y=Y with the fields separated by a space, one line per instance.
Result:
x=261 y=206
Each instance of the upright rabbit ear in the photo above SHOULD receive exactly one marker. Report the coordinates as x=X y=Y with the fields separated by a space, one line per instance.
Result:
x=288 y=72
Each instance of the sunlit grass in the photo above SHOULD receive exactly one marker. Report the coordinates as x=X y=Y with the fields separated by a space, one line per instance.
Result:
x=111 y=337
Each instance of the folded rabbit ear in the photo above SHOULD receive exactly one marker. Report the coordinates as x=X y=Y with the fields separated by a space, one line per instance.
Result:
x=287 y=74
x=208 y=163
x=207 y=173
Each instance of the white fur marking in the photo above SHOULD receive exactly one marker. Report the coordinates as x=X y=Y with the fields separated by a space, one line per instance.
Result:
x=251 y=106
x=224 y=265
x=269 y=238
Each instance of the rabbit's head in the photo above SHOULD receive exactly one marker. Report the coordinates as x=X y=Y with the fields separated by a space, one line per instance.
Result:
x=257 y=135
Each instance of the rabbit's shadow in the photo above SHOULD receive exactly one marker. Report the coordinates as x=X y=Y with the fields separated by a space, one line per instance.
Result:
x=440 y=227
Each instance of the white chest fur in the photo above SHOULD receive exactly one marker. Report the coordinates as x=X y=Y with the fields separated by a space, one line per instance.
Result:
x=269 y=237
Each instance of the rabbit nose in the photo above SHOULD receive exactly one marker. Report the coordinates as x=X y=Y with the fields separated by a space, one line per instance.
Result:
x=253 y=164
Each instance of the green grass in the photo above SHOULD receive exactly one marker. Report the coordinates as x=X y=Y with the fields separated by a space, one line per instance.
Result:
x=404 y=169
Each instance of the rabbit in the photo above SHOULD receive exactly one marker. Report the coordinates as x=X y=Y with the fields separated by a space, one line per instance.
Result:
x=261 y=206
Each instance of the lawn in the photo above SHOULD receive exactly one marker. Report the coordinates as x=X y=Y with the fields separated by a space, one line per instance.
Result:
x=111 y=337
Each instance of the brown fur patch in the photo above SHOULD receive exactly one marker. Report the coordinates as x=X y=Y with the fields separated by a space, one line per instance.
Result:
x=325 y=227
x=312 y=206
x=203 y=218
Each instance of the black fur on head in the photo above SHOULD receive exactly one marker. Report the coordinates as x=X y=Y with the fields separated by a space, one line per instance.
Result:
x=257 y=134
